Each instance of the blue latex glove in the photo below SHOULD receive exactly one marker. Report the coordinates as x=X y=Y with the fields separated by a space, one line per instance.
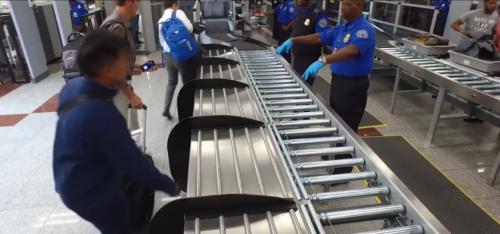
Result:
x=285 y=47
x=312 y=70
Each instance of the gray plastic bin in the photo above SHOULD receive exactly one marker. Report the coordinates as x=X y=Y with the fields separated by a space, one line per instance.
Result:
x=428 y=50
x=475 y=63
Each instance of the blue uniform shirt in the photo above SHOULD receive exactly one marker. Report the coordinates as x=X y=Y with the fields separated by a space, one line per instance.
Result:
x=359 y=33
x=286 y=12
x=78 y=9
x=321 y=23
x=443 y=5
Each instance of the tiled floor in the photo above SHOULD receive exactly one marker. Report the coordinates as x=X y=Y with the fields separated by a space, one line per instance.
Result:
x=29 y=204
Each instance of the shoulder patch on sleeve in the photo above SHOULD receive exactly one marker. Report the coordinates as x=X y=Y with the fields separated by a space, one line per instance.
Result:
x=292 y=9
x=323 y=23
x=362 y=33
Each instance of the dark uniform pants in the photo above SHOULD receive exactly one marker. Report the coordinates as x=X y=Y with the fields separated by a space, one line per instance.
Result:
x=283 y=36
x=111 y=218
x=348 y=96
x=300 y=65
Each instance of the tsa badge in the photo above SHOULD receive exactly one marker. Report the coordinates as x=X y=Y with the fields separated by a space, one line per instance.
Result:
x=362 y=33
x=307 y=22
x=292 y=9
x=323 y=23
x=347 y=37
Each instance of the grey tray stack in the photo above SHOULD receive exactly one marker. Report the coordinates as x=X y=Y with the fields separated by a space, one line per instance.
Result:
x=282 y=130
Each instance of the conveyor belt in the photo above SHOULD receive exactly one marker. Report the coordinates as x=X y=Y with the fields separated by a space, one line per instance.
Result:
x=221 y=30
x=252 y=137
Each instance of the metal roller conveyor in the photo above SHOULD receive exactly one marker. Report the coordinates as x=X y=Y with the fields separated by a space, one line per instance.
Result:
x=256 y=131
x=311 y=125
x=341 y=178
x=361 y=214
x=473 y=91
x=369 y=192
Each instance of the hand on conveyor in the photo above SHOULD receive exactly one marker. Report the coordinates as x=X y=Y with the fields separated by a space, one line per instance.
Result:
x=285 y=47
x=177 y=190
x=312 y=70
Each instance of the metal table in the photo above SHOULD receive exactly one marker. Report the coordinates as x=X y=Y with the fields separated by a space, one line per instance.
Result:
x=453 y=81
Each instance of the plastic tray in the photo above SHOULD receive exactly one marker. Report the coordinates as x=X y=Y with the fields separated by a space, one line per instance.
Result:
x=478 y=64
x=428 y=50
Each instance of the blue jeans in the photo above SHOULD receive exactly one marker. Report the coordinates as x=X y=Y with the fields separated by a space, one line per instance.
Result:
x=135 y=28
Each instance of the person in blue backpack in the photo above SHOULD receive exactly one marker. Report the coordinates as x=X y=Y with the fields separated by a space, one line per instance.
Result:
x=179 y=47
x=77 y=9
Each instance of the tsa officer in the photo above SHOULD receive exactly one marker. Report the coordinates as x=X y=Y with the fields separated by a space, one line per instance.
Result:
x=444 y=7
x=310 y=20
x=286 y=12
x=351 y=61
x=77 y=9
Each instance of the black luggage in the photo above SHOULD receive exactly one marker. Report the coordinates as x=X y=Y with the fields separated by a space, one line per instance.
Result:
x=141 y=199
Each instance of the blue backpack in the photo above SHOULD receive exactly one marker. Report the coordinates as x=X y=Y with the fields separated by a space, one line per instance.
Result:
x=182 y=45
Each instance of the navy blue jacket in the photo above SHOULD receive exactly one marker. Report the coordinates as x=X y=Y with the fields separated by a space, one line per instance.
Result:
x=93 y=149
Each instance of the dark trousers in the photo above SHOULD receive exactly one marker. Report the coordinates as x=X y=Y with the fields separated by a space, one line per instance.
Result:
x=300 y=65
x=276 y=27
x=134 y=21
x=440 y=25
x=111 y=218
x=188 y=70
x=348 y=96
x=283 y=36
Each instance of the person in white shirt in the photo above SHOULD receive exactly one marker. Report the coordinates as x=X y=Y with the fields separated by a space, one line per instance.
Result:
x=187 y=69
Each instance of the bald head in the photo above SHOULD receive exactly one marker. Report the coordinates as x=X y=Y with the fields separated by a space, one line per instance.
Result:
x=352 y=9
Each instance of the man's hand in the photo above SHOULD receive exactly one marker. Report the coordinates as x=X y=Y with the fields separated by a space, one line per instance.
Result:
x=465 y=32
x=285 y=27
x=135 y=101
x=177 y=190
x=137 y=72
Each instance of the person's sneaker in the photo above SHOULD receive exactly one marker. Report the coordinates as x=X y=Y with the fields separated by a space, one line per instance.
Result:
x=166 y=114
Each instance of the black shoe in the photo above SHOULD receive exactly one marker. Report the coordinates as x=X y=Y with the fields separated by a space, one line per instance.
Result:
x=167 y=114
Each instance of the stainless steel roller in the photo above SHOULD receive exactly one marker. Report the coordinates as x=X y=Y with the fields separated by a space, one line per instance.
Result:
x=298 y=129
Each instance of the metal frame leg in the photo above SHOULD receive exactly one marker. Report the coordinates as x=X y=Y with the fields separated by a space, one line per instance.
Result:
x=435 y=116
x=494 y=172
x=395 y=91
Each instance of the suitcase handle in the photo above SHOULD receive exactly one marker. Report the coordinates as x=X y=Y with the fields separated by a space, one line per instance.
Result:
x=143 y=140
x=144 y=107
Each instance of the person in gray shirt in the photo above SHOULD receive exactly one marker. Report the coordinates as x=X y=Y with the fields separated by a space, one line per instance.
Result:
x=478 y=22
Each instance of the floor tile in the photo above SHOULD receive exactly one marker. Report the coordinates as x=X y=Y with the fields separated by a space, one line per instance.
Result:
x=7 y=88
x=368 y=132
x=11 y=120
x=64 y=221
x=24 y=220
x=47 y=107
x=8 y=190
x=36 y=193
x=469 y=184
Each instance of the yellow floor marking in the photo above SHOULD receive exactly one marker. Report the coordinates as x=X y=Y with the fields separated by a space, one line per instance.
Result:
x=366 y=184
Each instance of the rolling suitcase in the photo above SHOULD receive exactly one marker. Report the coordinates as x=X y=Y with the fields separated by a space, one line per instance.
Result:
x=141 y=199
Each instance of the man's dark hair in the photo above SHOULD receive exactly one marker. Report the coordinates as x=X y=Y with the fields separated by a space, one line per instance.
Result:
x=170 y=3
x=99 y=49
x=121 y=2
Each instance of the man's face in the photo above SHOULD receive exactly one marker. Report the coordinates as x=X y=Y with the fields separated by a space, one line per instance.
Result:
x=302 y=3
x=133 y=5
x=490 y=6
x=116 y=73
x=351 y=8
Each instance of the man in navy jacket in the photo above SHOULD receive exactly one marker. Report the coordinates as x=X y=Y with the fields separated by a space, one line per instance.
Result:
x=93 y=148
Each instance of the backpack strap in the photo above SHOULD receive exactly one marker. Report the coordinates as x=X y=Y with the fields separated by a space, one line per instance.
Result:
x=80 y=99
x=174 y=14
x=110 y=23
